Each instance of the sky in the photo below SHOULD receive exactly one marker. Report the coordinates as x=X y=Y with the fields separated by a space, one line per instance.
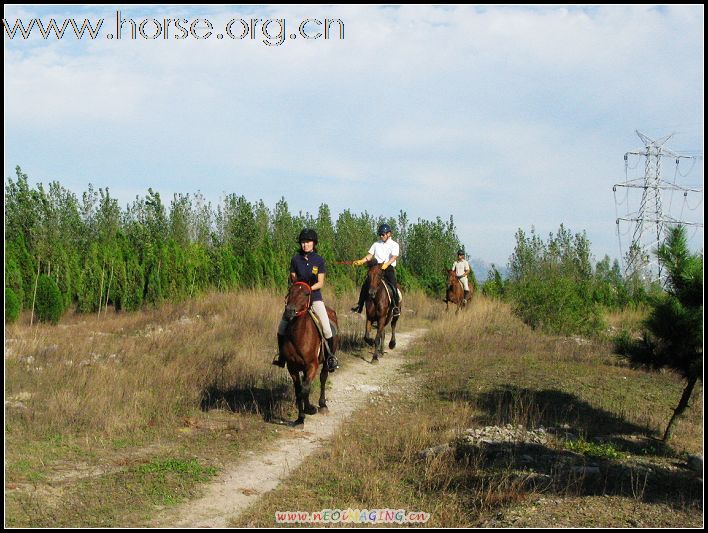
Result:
x=503 y=117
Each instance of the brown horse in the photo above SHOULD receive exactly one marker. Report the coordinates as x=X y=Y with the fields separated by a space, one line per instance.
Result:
x=455 y=292
x=302 y=348
x=380 y=309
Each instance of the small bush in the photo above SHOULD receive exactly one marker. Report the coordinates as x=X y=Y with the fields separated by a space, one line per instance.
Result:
x=49 y=305
x=12 y=306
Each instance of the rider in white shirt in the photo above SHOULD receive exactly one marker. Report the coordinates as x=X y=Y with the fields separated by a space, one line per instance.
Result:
x=386 y=252
x=462 y=268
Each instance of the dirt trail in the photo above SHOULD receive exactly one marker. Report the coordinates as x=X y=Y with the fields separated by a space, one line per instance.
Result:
x=243 y=484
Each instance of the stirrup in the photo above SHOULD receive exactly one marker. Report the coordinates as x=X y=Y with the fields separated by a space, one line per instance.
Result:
x=332 y=364
x=357 y=308
x=396 y=311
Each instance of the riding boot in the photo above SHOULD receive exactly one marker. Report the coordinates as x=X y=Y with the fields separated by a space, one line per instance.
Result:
x=280 y=360
x=396 y=303
x=362 y=298
x=332 y=363
x=467 y=295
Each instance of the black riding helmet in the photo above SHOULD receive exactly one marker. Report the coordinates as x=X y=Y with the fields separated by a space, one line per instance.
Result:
x=460 y=252
x=307 y=235
x=384 y=228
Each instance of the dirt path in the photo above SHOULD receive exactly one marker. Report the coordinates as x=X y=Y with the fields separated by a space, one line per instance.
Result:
x=243 y=484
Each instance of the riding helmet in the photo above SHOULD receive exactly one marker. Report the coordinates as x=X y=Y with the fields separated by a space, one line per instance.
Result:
x=307 y=235
x=460 y=252
x=384 y=228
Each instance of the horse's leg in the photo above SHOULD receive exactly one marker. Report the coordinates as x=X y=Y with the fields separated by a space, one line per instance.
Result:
x=298 y=398
x=367 y=333
x=323 y=382
x=306 y=383
x=380 y=336
x=392 y=344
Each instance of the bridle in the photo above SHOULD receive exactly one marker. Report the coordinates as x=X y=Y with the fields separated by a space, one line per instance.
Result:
x=309 y=295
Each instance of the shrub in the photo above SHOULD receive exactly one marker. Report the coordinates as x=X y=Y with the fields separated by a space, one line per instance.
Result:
x=12 y=305
x=550 y=284
x=49 y=305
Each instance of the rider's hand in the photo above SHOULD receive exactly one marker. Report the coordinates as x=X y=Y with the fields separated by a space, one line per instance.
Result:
x=358 y=262
x=385 y=266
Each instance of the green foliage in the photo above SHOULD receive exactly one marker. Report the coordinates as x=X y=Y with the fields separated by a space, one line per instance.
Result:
x=430 y=251
x=493 y=287
x=593 y=449
x=20 y=269
x=551 y=283
x=49 y=305
x=673 y=336
x=12 y=306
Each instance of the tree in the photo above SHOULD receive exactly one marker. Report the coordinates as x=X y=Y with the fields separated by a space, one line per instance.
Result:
x=550 y=284
x=673 y=337
x=12 y=306
x=494 y=286
x=50 y=305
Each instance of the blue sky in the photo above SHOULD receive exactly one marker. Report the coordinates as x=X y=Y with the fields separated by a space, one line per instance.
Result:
x=503 y=117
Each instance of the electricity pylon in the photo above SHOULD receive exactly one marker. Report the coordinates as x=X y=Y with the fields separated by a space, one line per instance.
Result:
x=649 y=222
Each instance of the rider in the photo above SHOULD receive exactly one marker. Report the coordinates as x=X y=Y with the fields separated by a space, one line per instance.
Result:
x=308 y=266
x=386 y=252
x=462 y=268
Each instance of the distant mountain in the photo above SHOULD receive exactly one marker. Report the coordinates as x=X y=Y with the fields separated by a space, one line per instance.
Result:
x=481 y=269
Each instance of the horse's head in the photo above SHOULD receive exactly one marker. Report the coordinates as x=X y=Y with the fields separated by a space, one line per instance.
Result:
x=451 y=277
x=374 y=277
x=298 y=300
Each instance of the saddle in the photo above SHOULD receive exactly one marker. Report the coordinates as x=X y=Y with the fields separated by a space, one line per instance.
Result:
x=323 y=342
x=389 y=291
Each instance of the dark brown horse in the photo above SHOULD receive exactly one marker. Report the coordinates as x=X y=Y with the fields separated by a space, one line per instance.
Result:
x=455 y=292
x=302 y=348
x=380 y=309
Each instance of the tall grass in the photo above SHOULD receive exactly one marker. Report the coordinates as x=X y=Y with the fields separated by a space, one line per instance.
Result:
x=133 y=371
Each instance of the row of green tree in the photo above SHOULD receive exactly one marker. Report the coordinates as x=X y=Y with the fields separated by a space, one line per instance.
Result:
x=97 y=256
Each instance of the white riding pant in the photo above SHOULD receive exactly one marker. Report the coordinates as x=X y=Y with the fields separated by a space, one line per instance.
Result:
x=321 y=311
x=465 y=283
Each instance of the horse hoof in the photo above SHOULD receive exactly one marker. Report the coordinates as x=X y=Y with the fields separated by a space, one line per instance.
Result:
x=299 y=423
x=375 y=361
x=310 y=410
x=370 y=342
x=392 y=345
x=324 y=410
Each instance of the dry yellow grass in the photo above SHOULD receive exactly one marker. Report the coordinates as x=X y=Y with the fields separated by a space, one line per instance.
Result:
x=131 y=371
x=484 y=367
